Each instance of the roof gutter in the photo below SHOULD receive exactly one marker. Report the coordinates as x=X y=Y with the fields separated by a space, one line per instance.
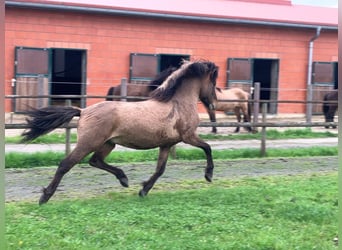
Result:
x=309 y=77
x=109 y=11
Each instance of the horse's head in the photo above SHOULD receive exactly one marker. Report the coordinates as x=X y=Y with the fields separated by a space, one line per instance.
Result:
x=204 y=72
x=207 y=92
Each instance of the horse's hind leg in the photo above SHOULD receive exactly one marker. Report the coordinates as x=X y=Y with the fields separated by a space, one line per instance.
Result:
x=194 y=140
x=238 y=117
x=162 y=159
x=97 y=160
x=246 y=118
x=64 y=166
x=332 y=111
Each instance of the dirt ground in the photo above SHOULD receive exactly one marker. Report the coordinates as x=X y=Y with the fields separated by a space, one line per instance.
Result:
x=85 y=181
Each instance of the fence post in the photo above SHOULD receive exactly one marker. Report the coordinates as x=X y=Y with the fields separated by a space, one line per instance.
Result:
x=256 y=102
x=123 y=89
x=263 y=130
x=67 y=131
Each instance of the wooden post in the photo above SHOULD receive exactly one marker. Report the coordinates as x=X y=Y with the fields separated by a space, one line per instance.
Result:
x=263 y=130
x=256 y=102
x=123 y=90
x=67 y=132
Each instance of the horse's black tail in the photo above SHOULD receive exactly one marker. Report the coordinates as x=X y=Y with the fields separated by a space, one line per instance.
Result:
x=44 y=120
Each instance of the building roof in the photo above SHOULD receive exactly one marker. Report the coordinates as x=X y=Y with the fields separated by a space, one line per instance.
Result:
x=267 y=12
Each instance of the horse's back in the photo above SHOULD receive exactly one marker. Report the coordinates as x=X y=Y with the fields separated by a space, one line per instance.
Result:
x=139 y=125
x=232 y=94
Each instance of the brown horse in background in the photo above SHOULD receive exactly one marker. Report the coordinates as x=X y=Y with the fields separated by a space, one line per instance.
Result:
x=140 y=90
x=236 y=100
x=329 y=109
x=167 y=118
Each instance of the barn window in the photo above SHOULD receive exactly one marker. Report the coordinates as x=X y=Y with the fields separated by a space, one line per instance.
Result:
x=25 y=65
x=240 y=70
x=323 y=73
x=143 y=67
x=31 y=74
x=44 y=71
x=324 y=79
x=243 y=72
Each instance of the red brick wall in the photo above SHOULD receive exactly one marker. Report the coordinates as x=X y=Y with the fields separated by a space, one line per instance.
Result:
x=109 y=40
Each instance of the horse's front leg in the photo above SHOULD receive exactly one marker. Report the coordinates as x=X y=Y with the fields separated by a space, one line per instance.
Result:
x=212 y=117
x=194 y=140
x=162 y=159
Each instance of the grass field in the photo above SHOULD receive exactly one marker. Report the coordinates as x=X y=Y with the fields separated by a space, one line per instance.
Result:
x=292 y=212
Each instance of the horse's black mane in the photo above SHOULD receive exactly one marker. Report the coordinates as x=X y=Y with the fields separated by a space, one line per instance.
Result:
x=197 y=69
x=160 y=78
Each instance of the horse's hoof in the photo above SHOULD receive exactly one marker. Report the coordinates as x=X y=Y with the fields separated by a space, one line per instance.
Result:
x=142 y=193
x=124 y=182
x=42 y=200
x=208 y=177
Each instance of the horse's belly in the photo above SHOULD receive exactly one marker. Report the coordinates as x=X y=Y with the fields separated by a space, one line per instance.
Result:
x=146 y=139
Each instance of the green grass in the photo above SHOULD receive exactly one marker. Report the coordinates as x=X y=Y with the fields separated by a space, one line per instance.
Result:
x=40 y=159
x=295 y=212
x=271 y=135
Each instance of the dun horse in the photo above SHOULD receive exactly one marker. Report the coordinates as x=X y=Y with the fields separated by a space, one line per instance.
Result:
x=329 y=109
x=237 y=94
x=167 y=118
x=234 y=99
x=140 y=90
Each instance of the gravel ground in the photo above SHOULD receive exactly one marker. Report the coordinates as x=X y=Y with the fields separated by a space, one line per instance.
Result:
x=85 y=181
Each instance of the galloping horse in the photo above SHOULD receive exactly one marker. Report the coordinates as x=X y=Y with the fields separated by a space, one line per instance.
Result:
x=240 y=105
x=140 y=90
x=167 y=118
x=229 y=94
x=329 y=109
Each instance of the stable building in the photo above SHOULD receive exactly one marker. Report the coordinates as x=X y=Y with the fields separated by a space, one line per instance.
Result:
x=82 y=47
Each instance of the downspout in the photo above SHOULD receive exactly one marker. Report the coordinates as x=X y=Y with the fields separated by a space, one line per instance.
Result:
x=309 y=77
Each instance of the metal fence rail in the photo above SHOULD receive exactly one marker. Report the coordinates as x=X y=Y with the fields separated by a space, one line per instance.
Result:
x=254 y=123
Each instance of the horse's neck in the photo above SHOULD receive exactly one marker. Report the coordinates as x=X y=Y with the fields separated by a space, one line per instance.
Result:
x=188 y=93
